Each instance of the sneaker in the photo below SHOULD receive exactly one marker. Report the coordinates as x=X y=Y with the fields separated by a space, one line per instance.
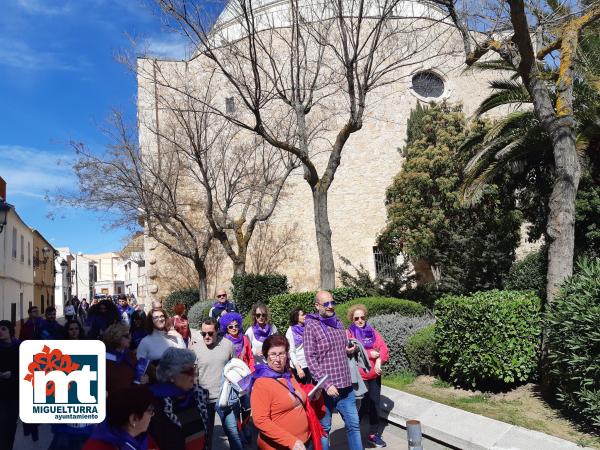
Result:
x=376 y=441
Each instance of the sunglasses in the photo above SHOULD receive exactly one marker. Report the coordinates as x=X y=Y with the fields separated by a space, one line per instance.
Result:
x=260 y=315
x=207 y=333
x=232 y=327
x=330 y=304
x=222 y=296
x=356 y=319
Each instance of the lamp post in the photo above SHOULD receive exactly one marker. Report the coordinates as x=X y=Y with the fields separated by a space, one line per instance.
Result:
x=4 y=209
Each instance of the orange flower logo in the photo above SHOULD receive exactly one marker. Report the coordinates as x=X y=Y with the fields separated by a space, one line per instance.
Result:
x=47 y=361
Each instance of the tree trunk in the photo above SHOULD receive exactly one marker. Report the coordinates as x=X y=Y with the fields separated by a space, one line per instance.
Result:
x=323 y=232
x=239 y=268
x=202 y=282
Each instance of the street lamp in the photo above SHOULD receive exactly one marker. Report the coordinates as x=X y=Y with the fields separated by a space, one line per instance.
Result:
x=4 y=209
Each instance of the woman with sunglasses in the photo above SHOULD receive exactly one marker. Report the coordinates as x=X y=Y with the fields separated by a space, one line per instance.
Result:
x=260 y=330
x=181 y=418
x=160 y=336
x=295 y=336
x=128 y=414
x=231 y=328
x=378 y=354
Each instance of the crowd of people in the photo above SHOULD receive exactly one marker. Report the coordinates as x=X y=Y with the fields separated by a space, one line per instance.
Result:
x=166 y=383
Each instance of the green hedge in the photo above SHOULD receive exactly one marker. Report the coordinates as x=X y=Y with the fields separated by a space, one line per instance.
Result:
x=573 y=322
x=529 y=273
x=198 y=312
x=186 y=296
x=251 y=288
x=420 y=351
x=378 y=306
x=281 y=305
x=490 y=338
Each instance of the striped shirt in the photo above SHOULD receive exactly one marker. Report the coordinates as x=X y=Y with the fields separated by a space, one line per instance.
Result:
x=325 y=353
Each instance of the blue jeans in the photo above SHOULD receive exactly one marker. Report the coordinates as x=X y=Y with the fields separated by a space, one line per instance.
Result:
x=346 y=406
x=229 y=416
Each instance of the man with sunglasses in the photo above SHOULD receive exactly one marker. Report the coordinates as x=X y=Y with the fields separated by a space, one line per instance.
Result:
x=326 y=351
x=222 y=305
x=213 y=352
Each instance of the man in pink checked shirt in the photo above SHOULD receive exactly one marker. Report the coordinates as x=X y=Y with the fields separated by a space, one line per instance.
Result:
x=326 y=350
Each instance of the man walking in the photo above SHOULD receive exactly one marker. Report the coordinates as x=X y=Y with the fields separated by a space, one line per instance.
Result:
x=213 y=352
x=125 y=311
x=30 y=328
x=222 y=305
x=326 y=350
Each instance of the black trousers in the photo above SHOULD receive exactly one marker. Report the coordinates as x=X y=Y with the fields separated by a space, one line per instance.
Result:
x=370 y=404
x=307 y=377
x=9 y=414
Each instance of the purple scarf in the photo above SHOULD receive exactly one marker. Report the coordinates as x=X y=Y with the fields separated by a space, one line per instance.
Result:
x=260 y=334
x=238 y=342
x=298 y=333
x=219 y=305
x=366 y=335
x=264 y=371
x=332 y=321
x=119 y=438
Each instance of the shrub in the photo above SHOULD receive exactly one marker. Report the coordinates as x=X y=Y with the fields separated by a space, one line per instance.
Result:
x=378 y=306
x=529 y=273
x=251 y=288
x=490 y=338
x=186 y=296
x=395 y=329
x=420 y=350
x=198 y=312
x=281 y=305
x=573 y=320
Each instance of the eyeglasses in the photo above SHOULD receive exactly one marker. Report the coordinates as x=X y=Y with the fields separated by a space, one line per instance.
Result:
x=356 y=319
x=207 y=333
x=222 y=296
x=274 y=356
x=233 y=327
x=161 y=317
x=260 y=315
x=330 y=304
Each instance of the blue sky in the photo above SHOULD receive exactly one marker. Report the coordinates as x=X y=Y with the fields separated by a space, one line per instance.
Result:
x=58 y=81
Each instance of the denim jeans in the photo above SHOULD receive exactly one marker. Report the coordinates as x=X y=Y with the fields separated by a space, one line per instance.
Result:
x=228 y=416
x=346 y=406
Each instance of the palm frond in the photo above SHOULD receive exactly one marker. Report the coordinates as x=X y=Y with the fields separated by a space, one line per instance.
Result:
x=509 y=92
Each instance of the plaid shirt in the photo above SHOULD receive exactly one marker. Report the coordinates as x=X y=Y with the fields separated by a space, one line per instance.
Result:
x=325 y=352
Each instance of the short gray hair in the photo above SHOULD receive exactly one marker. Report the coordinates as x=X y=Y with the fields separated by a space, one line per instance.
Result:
x=173 y=361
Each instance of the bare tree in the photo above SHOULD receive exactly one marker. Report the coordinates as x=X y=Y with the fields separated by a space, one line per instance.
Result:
x=534 y=37
x=303 y=74
x=271 y=248
x=152 y=190
x=241 y=177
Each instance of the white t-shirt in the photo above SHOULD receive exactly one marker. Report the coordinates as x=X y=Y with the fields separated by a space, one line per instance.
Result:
x=257 y=345
x=154 y=345
x=296 y=352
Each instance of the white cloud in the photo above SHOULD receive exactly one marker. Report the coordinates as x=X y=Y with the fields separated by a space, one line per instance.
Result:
x=172 y=46
x=19 y=54
x=46 y=7
x=32 y=172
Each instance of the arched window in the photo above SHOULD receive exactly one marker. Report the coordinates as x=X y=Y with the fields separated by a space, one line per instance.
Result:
x=428 y=85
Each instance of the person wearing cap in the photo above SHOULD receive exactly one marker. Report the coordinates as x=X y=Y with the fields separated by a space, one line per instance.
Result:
x=9 y=384
x=181 y=416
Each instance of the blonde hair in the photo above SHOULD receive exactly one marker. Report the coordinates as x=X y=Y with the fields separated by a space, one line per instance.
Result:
x=113 y=334
x=353 y=309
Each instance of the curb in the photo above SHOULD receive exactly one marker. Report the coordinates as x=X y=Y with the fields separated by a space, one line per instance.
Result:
x=463 y=429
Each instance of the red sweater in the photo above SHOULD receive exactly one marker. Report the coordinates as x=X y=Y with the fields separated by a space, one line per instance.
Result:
x=247 y=356
x=380 y=346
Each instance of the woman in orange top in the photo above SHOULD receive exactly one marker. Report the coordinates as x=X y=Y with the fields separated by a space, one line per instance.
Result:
x=278 y=401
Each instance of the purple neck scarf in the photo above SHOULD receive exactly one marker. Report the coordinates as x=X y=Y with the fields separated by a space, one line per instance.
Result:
x=238 y=342
x=264 y=371
x=219 y=305
x=298 y=333
x=332 y=321
x=366 y=335
x=260 y=334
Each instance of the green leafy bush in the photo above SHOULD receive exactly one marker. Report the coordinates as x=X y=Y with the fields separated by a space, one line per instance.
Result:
x=490 y=338
x=198 y=312
x=186 y=296
x=529 y=273
x=396 y=329
x=378 y=306
x=573 y=321
x=281 y=305
x=251 y=288
x=420 y=350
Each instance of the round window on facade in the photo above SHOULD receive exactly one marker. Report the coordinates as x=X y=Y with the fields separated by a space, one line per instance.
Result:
x=428 y=85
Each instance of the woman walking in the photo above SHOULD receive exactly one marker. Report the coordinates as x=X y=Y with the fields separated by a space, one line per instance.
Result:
x=231 y=327
x=260 y=330
x=160 y=336
x=378 y=355
x=295 y=337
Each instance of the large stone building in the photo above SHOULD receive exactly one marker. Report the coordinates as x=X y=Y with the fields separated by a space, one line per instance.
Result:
x=369 y=161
